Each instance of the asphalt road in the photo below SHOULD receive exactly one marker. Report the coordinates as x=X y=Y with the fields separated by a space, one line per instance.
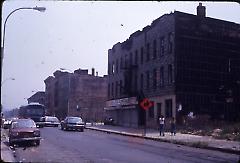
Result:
x=94 y=146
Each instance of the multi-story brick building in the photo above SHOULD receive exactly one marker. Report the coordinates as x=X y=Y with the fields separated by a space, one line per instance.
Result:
x=180 y=62
x=38 y=97
x=76 y=94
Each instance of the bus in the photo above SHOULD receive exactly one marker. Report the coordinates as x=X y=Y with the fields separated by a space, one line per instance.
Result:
x=35 y=111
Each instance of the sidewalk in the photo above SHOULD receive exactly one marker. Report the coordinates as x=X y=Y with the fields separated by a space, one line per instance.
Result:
x=205 y=142
x=6 y=152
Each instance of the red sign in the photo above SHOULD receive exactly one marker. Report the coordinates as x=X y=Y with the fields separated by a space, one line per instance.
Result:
x=146 y=104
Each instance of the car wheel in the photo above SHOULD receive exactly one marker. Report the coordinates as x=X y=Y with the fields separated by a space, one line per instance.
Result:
x=37 y=142
x=81 y=130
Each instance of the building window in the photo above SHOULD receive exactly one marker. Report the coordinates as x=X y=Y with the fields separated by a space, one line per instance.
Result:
x=161 y=76
x=154 y=49
x=108 y=90
x=56 y=94
x=136 y=57
x=126 y=61
x=151 y=112
x=159 y=109
x=142 y=51
x=117 y=66
x=130 y=59
x=121 y=87
x=113 y=68
x=170 y=42
x=162 y=46
x=141 y=82
x=112 y=89
x=170 y=74
x=116 y=89
x=148 y=52
x=147 y=79
x=135 y=83
x=168 y=108
x=154 y=78
x=121 y=63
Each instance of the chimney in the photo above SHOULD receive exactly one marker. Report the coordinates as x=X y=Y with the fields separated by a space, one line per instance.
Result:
x=201 y=10
x=93 y=71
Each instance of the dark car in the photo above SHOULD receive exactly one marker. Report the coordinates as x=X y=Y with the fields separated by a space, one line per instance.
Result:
x=51 y=121
x=73 y=123
x=24 y=130
x=108 y=121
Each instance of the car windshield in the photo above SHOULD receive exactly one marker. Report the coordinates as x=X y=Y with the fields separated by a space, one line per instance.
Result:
x=52 y=119
x=74 y=120
x=23 y=124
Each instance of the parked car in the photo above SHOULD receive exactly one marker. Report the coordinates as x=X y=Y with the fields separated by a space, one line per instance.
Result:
x=7 y=123
x=51 y=121
x=73 y=123
x=22 y=130
x=108 y=121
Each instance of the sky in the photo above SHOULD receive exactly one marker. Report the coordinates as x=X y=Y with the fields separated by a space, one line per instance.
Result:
x=76 y=34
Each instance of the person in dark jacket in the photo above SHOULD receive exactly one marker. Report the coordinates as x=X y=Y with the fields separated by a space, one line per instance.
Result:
x=161 y=125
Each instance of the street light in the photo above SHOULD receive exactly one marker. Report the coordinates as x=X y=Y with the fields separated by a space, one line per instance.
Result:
x=40 y=9
x=6 y=80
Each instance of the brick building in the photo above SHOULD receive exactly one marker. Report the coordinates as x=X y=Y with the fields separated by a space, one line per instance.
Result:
x=76 y=94
x=183 y=63
x=38 y=97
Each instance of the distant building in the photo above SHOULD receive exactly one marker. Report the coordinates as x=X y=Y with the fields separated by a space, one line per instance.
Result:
x=38 y=97
x=76 y=94
x=183 y=63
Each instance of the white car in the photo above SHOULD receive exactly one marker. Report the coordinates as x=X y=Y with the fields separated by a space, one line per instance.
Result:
x=51 y=121
x=7 y=123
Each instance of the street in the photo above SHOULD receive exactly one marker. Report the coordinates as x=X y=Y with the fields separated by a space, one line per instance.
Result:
x=95 y=146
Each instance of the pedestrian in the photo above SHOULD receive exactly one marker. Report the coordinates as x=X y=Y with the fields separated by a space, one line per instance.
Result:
x=173 y=126
x=161 y=125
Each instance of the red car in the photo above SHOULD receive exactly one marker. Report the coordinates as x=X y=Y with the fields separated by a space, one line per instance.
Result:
x=22 y=130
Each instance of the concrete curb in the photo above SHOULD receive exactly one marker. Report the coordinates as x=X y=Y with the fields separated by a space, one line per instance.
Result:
x=190 y=144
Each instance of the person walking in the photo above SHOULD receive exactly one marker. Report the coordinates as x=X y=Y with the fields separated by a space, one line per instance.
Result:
x=173 y=126
x=161 y=125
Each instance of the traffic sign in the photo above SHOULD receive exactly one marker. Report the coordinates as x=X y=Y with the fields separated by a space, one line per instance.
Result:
x=146 y=104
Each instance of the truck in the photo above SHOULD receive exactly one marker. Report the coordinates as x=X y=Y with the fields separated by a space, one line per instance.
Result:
x=35 y=111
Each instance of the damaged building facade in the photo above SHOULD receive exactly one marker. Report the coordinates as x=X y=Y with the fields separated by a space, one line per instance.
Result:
x=76 y=94
x=183 y=63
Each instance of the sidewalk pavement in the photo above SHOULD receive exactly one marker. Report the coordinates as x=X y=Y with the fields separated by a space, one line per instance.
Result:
x=205 y=142
x=6 y=152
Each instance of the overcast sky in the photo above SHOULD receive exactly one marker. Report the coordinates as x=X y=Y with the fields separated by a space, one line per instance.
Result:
x=76 y=34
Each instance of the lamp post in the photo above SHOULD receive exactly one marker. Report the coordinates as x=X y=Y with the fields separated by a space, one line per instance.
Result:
x=7 y=80
x=41 y=9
